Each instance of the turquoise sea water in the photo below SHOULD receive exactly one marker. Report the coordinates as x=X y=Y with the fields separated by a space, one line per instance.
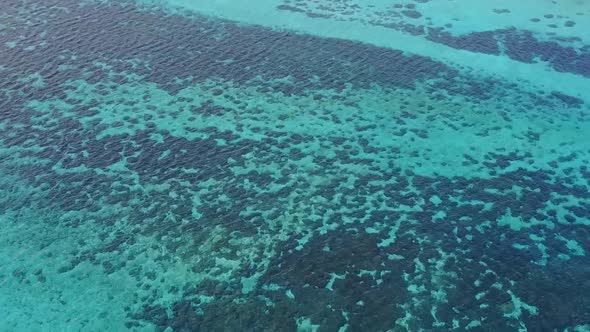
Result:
x=282 y=165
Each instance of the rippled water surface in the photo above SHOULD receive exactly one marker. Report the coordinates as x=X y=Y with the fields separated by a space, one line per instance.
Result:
x=294 y=165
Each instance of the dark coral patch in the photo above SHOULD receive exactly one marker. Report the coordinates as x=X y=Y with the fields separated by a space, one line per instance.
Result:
x=483 y=42
x=570 y=101
x=569 y=24
x=519 y=45
x=412 y=13
x=307 y=272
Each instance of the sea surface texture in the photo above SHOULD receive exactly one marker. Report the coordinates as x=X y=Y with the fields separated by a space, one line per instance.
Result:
x=294 y=165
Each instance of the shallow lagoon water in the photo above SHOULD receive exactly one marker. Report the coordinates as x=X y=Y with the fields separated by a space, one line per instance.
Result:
x=294 y=166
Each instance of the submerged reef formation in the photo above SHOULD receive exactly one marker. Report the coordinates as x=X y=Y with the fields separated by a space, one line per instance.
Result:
x=172 y=171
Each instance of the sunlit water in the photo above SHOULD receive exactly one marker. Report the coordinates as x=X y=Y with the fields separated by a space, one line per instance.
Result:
x=294 y=165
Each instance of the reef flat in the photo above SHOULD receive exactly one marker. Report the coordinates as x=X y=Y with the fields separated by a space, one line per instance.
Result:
x=294 y=166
